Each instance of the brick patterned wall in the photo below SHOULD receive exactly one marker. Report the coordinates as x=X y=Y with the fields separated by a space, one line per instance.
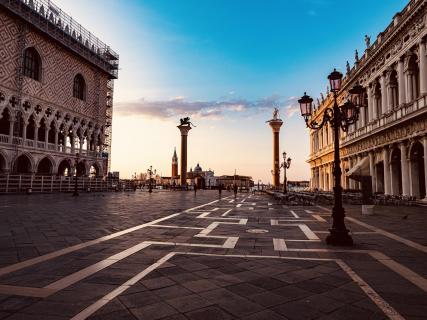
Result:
x=59 y=66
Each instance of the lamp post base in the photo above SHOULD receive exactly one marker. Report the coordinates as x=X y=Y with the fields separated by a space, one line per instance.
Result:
x=339 y=238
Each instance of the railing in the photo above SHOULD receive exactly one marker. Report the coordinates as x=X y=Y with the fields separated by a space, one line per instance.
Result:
x=28 y=143
x=12 y=183
x=51 y=19
x=4 y=138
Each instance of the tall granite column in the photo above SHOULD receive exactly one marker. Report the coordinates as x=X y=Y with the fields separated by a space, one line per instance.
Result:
x=184 y=128
x=275 y=125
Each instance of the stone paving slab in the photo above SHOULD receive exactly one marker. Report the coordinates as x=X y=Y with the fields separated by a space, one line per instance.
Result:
x=176 y=255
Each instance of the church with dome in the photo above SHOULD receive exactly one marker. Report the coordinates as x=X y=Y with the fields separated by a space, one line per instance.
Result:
x=195 y=177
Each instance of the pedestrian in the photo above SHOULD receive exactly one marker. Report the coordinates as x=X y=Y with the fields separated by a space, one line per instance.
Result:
x=235 y=190
x=195 y=189
x=220 y=189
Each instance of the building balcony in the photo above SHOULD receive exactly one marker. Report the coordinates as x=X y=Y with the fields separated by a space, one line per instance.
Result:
x=392 y=118
x=40 y=146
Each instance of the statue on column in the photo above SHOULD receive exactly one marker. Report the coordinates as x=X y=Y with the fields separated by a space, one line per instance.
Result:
x=356 y=56
x=186 y=122
x=348 y=67
x=275 y=114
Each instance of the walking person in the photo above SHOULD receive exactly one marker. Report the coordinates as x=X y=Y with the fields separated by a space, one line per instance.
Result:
x=235 y=190
x=195 y=189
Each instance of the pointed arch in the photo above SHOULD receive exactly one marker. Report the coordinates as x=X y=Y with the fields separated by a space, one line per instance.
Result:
x=46 y=166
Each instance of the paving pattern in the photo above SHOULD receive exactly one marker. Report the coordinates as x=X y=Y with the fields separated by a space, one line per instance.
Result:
x=176 y=255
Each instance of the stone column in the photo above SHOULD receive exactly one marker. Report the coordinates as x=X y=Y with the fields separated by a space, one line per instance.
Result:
x=384 y=103
x=372 y=170
x=56 y=139
x=423 y=67
x=370 y=105
x=275 y=125
x=401 y=82
x=72 y=138
x=375 y=114
x=405 y=169
x=331 y=176
x=358 y=184
x=36 y=134
x=320 y=178
x=351 y=181
x=343 y=178
x=387 y=183
x=46 y=138
x=425 y=162
x=11 y=128
x=394 y=185
x=363 y=117
x=64 y=141
x=81 y=141
x=24 y=133
x=184 y=129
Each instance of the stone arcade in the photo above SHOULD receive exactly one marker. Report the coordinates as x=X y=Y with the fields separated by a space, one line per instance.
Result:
x=389 y=141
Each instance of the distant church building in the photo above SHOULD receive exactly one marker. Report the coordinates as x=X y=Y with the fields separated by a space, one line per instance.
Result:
x=202 y=179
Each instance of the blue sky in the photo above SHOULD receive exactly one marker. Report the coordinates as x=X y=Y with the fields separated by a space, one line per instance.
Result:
x=226 y=64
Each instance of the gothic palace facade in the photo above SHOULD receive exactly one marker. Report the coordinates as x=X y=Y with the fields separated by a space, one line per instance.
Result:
x=56 y=90
x=389 y=141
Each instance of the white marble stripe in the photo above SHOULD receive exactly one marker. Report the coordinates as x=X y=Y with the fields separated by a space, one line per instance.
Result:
x=318 y=217
x=390 y=235
x=174 y=227
x=279 y=245
x=388 y=310
x=119 y=290
x=226 y=212
x=294 y=214
x=308 y=233
x=88 y=271
x=58 y=253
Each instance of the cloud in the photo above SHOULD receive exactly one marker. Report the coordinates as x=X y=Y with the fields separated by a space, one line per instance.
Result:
x=291 y=107
x=180 y=106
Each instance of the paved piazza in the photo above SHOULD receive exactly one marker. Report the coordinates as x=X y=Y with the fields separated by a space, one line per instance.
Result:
x=174 y=255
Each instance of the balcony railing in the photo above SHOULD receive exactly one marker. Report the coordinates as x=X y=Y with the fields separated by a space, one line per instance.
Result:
x=31 y=144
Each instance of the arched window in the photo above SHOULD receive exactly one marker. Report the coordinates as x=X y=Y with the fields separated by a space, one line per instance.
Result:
x=32 y=64
x=79 y=88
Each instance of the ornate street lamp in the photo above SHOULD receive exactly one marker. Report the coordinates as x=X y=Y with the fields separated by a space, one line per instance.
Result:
x=285 y=165
x=76 y=191
x=150 y=177
x=340 y=117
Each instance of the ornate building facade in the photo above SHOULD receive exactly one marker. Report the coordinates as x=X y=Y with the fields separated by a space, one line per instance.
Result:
x=389 y=141
x=56 y=92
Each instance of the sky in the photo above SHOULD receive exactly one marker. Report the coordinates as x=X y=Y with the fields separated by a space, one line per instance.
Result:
x=226 y=64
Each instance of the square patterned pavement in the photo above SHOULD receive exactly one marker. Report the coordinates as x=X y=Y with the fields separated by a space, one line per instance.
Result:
x=176 y=255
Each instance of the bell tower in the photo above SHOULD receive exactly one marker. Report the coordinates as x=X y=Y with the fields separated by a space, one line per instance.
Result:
x=174 y=165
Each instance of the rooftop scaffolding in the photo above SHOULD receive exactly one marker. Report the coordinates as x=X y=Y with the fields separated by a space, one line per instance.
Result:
x=52 y=21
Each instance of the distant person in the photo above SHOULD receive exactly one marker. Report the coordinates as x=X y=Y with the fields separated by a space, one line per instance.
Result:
x=195 y=189
x=235 y=190
x=220 y=189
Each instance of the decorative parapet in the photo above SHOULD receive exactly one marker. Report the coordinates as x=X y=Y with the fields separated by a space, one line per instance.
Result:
x=52 y=21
